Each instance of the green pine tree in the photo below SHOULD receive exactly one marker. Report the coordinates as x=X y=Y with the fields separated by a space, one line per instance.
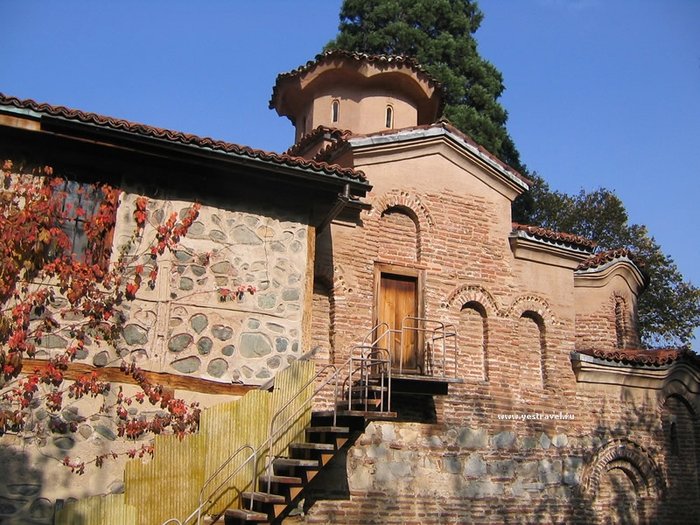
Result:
x=439 y=35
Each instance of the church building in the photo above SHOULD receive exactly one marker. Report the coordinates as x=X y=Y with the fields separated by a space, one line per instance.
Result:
x=457 y=367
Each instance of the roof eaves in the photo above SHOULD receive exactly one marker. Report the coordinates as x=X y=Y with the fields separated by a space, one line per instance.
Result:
x=659 y=357
x=57 y=114
x=575 y=242
x=434 y=131
x=399 y=60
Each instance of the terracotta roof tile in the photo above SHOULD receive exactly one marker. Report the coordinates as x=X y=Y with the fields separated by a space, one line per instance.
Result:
x=334 y=134
x=551 y=235
x=359 y=57
x=605 y=257
x=180 y=137
x=341 y=137
x=631 y=356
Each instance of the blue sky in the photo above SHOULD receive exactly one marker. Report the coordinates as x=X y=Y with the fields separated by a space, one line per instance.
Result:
x=599 y=92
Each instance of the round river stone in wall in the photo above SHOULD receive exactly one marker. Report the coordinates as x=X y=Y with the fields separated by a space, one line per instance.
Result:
x=290 y=294
x=199 y=322
x=179 y=342
x=101 y=359
x=254 y=345
x=217 y=236
x=204 y=345
x=244 y=235
x=183 y=256
x=228 y=350
x=187 y=365
x=267 y=301
x=222 y=332
x=41 y=510
x=196 y=230
x=217 y=367
x=281 y=344
x=53 y=341
x=135 y=335
x=223 y=267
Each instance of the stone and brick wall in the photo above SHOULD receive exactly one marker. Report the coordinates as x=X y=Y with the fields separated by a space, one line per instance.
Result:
x=517 y=323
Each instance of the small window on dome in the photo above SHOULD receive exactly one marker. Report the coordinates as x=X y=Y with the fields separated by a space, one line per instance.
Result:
x=389 y=117
x=335 y=111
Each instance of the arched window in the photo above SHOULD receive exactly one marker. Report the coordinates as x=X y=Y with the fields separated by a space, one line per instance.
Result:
x=389 y=120
x=335 y=111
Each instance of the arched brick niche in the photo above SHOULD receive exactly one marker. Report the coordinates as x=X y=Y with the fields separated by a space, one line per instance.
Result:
x=623 y=482
x=473 y=341
x=392 y=211
x=472 y=309
x=682 y=454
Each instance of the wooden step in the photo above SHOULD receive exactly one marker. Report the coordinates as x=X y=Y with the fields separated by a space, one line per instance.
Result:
x=290 y=486
x=369 y=388
x=263 y=497
x=304 y=468
x=361 y=404
x=321 y=447
x=328 y=430
x=282 y=480
x=328 y=434
x=292 y=463
x=323 y=451
x=370 y=415
x=241 y=516
x=325 y=418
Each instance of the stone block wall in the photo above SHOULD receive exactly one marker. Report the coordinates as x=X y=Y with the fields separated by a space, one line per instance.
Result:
x=196 y=322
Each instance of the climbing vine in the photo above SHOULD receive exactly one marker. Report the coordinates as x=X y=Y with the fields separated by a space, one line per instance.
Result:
x=60 y=281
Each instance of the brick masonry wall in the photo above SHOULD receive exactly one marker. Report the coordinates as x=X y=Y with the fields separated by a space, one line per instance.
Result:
x=517 y=327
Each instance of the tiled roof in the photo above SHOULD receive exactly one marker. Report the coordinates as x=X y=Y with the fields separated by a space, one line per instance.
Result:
x=334 y=134
x=608 y=256
x=341 y=137
x=559 y=237
x=180 y=137
x=631 y=356
x=359 y=57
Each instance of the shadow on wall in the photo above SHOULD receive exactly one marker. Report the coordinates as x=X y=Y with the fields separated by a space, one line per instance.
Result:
x=20 y=489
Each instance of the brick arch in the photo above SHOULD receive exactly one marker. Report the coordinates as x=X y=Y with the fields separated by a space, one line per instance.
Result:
x=678 y=390
x=407 y=202
x=469 y=293
x=630 y=457
x=533 y=307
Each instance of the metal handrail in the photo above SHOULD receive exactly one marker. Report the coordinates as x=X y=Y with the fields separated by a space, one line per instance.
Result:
x=439 y=333
x=436 y=334
x=367 y=363
x=318 y=390
x=273 y=436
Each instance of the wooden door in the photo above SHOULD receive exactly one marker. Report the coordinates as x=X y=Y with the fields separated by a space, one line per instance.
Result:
x=398 y=299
